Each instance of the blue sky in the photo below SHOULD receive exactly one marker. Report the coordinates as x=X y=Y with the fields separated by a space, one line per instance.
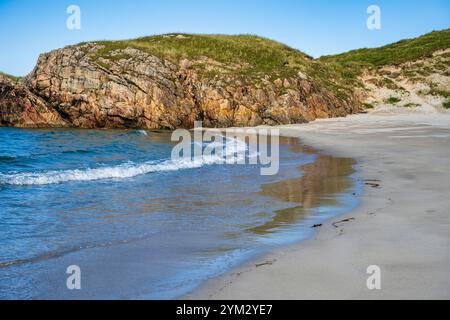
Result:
x=28 y=28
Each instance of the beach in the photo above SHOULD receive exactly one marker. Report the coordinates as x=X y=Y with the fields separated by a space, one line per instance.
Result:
x=402 y=224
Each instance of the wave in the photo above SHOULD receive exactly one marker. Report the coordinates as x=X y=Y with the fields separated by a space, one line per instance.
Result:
x=142 y=132
x=135 y=132
x=235 y=151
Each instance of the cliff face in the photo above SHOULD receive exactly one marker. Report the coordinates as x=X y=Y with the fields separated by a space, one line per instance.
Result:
x=131 y=88
x=19 y=107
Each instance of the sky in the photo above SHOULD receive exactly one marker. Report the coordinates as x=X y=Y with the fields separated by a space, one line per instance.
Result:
x=319 y=27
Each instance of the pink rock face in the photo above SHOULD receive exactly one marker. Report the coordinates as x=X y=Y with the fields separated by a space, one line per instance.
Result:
x=21 y=108
x=68 y=88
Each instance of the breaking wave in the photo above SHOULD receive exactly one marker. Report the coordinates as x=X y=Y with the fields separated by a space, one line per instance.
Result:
x=234 y=150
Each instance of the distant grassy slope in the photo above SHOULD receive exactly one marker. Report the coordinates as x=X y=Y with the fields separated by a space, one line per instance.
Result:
x=394 y=54
x=410 y=63
x=349 y=66
x=13 y=78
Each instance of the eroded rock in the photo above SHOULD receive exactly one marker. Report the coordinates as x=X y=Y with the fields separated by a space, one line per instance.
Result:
x=133 y=89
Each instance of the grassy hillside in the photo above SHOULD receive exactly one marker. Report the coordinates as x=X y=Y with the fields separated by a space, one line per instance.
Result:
x=348 y=66
x=13 y=78
x=424 y=68
x=248 y=58
x=393 y=54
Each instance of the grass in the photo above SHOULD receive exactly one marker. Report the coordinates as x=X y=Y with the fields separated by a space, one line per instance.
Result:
x=392 y=100
x=11 y=77
x=244 y=56
x=351 y=64
x=247 y=58
x=411 y=105
x=368 y=106
x=396 y=53
x=439 y=92
x=250 y=58
x=446 y=104
x=386 y=82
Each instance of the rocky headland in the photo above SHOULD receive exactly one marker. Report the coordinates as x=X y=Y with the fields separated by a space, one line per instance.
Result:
x=170 y=81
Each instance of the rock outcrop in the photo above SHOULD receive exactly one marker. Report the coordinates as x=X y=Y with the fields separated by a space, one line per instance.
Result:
x=131 y=88
x=19 y=107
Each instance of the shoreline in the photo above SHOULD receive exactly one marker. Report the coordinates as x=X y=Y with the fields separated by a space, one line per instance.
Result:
x=309 y=188
x=401 y=224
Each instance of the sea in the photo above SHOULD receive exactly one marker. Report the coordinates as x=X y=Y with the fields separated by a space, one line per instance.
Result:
x=137 y=224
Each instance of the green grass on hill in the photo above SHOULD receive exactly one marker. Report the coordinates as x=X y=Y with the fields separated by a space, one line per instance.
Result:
x=396 y=53
x=250 y=58
x=246 y=55
x=349 y=65
x=13 y=78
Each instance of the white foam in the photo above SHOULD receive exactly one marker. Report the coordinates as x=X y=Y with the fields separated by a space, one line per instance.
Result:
x=127 y=170
x=142 y=132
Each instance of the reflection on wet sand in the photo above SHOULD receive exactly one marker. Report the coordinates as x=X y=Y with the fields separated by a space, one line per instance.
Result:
x=323 y=181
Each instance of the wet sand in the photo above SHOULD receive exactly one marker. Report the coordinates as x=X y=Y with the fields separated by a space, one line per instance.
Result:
x=322 y=183
x=402 y=224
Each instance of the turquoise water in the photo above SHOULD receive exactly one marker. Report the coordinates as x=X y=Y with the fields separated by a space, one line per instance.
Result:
x=139 y=225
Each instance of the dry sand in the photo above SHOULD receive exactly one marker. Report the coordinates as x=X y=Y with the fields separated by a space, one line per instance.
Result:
x=403 y=226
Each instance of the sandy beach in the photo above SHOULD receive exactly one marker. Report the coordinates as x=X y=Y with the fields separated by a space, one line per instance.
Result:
x=402 y=223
